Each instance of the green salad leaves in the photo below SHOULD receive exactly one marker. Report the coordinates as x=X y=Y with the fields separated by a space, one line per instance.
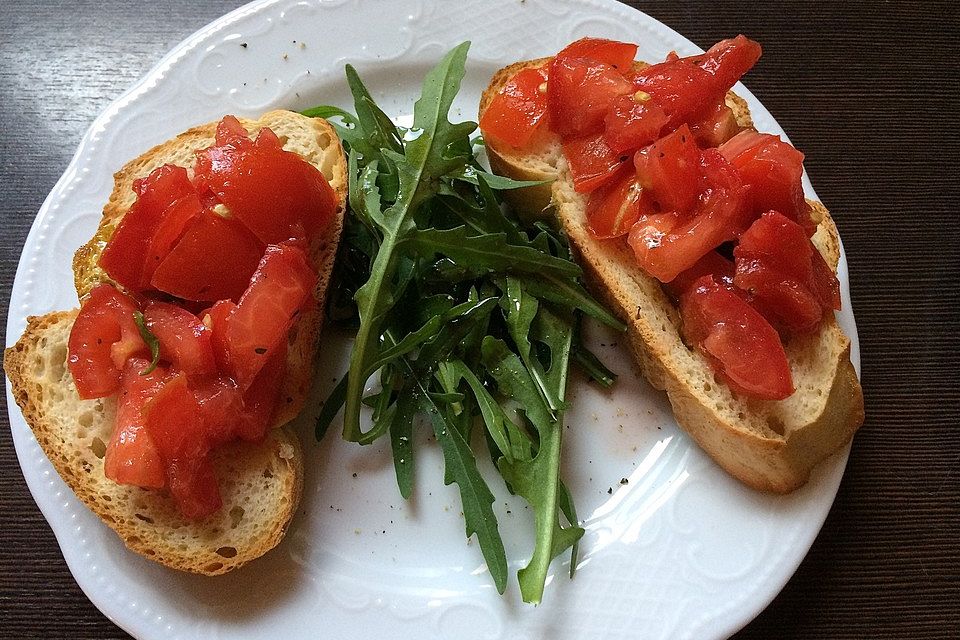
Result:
x=466 y=318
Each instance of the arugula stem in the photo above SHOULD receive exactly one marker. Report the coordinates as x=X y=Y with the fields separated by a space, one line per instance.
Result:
x=361 y=348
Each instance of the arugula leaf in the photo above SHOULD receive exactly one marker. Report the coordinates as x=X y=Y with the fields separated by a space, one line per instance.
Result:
x=419 y=170
x=537 y=479
x=572 y=295
x=475 y=496
x=520 y=311
x=500 y=183
x=504 y=433
x=489 y=252
x=592 y=366
x=331 y=406
x=401 y=443
x=379 y=131
x=325 y=111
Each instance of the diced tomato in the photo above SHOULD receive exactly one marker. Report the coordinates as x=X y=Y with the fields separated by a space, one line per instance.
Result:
x=648 y=233
x=787 y=277
x=269 y=190
x=665 y=250
x=618 y=55
x=184 y=339
x=131 y=457
x=711 y=264
x=681 y=88
x=771 y=169
x=175 y=221
x=729 y=59
x=221 y=407
x=216 y=318
x=193 y=485
x=592 y=162
x=579 y=94
x=174 y=420
x=738 y=341
x=633 y=121
x=614 y=208
x=518 y=110
x=104 y=335
x=720 y=174
x=230 y=131
x=688 y=87
x=123 y=257
x=214 y=260
x=670 y=170
x=743 y=142
x=262 y=397
x=716 y=126
x=281 y=286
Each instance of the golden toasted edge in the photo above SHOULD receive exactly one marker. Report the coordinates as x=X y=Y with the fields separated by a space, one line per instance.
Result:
x=780 y=464
x=145 y=519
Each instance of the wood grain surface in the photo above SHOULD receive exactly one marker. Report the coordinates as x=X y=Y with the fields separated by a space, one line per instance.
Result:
x=868 y=90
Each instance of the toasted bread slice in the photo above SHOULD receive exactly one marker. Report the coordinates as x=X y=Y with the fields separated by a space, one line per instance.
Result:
x=317 y=143
x=769 y=445
x=260 y=483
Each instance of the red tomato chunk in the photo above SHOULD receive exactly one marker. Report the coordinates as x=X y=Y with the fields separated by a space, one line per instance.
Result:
x=132 y=457
x=174 y=420
x=281 y=286
x=123 y=257
x=213 y=261
x=579 y=94
x=670 y=169
x=615 y=207
x=618 y=55
x=184 y=339
x=103 y=336
x=274 y=193
x=771 y=169
x=743 y=346
x=519 y=110
x=592 y=162
x=787 y=277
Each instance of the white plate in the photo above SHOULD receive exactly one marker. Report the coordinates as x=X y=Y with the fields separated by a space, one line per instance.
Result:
x=676 y=549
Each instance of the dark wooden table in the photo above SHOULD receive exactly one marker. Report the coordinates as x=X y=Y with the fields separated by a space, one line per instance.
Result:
x=868 y=90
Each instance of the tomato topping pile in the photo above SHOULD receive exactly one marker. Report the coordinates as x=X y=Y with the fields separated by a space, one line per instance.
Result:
x=666 y=168
x=235 y=237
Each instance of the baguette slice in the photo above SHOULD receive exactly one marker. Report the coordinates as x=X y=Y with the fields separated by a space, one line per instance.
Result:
x=768 y=445
x=260 y=483
x=311 y=138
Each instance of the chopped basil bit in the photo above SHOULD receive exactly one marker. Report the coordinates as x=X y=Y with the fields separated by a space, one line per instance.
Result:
x=151 y=341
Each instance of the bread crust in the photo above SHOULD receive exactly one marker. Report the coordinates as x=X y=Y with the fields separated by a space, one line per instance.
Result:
x=261 y=483
x=768 y=445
